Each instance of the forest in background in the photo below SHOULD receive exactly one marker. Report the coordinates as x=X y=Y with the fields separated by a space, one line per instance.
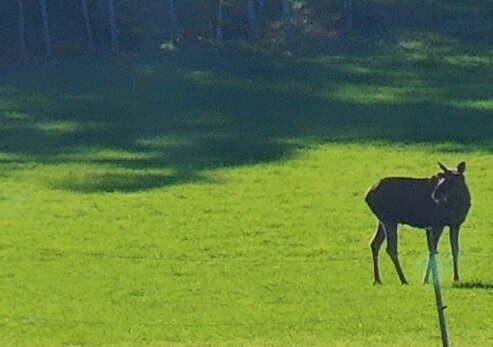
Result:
x=35 y=29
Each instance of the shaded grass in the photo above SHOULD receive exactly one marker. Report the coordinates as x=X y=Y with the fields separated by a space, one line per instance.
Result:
x=189 y=118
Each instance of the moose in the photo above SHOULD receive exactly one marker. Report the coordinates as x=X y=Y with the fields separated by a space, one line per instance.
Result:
x=434 y=203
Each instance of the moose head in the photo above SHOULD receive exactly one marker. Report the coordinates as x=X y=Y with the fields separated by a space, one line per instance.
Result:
x=451 y=186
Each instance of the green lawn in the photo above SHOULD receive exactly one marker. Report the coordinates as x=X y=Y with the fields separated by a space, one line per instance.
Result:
x=219 y=201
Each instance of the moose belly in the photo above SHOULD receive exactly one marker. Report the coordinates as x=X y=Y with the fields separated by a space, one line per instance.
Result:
x=420 y=215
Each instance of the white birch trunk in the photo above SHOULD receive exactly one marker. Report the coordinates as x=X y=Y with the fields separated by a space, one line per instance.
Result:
x=219 y=25
x=46 y=29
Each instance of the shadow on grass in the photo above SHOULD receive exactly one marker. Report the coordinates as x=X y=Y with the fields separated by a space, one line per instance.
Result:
x=474 y=285
x=125 y=182
x=162 y=124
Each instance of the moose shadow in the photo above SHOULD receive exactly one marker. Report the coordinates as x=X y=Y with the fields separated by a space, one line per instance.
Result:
x=476 y=284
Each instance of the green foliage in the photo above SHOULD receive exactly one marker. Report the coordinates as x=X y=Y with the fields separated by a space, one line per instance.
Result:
x=220 y=201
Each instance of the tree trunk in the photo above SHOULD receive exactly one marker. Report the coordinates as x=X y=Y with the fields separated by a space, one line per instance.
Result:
x=113 y=25
x=87 y=22
x=175 y=30
x=22 y=27
x=287 y=18
x=46 y=29
x=219 y=24
x=252 y=19
x=262 y=15
x=347 y=17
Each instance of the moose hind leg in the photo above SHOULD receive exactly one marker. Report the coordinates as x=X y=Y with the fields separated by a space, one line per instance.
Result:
x=391 y=231
x=375 y=245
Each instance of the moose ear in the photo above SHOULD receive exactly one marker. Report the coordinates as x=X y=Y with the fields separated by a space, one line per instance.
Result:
x=443 y=167
x=461 y=167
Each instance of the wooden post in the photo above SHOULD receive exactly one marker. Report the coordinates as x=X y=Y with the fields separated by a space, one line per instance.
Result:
x=439 y=300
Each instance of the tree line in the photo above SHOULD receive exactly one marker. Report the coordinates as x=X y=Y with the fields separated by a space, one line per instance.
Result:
x=66 y=28
x=50 y=28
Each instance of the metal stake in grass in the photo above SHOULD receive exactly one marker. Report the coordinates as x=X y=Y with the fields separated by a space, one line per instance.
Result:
x=438 y=292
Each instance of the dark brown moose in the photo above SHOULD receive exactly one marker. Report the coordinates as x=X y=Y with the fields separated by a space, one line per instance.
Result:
x=428 y=203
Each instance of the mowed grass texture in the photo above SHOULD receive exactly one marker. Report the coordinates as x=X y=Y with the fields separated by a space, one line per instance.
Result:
x=221 y=204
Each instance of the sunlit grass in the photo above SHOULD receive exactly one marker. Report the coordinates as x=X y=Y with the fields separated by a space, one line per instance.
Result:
x=486 y=105
x=469 y=60
x=371 y=94
x=257 y=253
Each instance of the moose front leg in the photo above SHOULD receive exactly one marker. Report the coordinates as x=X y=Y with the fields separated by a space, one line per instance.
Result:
x=433 y=236
x=454 y=245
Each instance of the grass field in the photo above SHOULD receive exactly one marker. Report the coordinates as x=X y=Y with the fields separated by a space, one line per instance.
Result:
x=219 y=201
